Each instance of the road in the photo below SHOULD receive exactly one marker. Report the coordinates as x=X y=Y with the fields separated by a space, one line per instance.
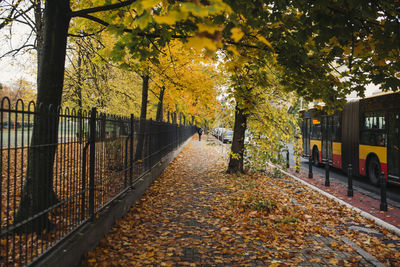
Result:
x=360 y=184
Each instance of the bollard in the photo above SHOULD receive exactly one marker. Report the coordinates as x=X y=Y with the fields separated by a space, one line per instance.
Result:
x=310 y=174
x=287 y=160
x=350 y=181
x=327 y=182
x=383 y=206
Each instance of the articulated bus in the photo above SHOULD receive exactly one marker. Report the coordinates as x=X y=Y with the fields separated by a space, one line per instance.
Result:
x=364 y=134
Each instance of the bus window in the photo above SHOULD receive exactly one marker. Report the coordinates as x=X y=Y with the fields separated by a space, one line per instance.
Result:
x=316 y=129
x=374 y=121
x=373 y=129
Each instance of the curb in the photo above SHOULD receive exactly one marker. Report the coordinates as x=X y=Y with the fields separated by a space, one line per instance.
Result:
x=367 y=215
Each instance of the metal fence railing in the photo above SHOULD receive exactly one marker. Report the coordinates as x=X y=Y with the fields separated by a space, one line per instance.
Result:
x=60 y=167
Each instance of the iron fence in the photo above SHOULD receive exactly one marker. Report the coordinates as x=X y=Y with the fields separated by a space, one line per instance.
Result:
x=60 y=167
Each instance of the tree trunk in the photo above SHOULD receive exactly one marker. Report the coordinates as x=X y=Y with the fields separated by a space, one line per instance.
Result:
x=159 y=116
x=143 y=111
x=37 y=7
x=236 y=158
x=79 y=96
x=37 y=194
x=174 y=118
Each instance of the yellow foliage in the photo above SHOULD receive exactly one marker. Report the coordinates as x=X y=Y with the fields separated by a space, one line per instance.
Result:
x=211 y=28
x=237 y=34
x=199 y=43
x=265 y=41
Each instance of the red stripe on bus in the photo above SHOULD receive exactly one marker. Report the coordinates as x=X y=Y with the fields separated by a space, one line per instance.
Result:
x=337 y=161
x=384 y=168
x=362 y=168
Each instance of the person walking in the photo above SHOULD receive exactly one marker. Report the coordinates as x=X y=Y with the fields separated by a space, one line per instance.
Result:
x=200 y=132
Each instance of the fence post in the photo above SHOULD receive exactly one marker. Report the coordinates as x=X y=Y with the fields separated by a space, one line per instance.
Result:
x=150 y=145
x=349 y=181
x=327 y=182
x=131 y=151
x=92 y=158
x=287 y=159
x=383 y=206
x=177 y=135
x=310 y=162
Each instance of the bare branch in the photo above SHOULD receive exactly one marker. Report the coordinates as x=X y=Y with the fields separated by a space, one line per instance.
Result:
x=17 y=50
x=10 y=18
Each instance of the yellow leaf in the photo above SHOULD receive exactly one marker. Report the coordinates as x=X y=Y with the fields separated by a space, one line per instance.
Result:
x=334 y=244
x=275 y=264
x=171 y=18
x=208 y=28
x=149 y=3
x=265 y=41
x=237 y=34
x=201 y=42
x=333 y=261
x=141 y=6
x=144 y=20
x=233 y=50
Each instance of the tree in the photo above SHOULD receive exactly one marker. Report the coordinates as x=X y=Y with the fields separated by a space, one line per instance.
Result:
x=37 y=194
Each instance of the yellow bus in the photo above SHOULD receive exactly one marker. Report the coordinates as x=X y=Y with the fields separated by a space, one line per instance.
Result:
x=364 y=134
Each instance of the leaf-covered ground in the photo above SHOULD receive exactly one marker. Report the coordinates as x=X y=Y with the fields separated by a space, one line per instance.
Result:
x=195 y=215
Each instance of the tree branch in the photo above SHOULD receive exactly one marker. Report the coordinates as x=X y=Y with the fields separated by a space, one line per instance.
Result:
x=87 y=11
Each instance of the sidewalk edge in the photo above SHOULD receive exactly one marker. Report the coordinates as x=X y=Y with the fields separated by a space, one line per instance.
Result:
x=365 y=214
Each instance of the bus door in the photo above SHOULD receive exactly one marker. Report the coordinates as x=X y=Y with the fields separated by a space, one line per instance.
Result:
x=306 y=136
x=327 y=128
x=393 y=146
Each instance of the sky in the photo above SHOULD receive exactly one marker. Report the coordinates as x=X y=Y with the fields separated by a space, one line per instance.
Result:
x=22 y=65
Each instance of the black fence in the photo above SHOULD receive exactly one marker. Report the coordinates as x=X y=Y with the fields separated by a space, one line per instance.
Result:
x=60 y=167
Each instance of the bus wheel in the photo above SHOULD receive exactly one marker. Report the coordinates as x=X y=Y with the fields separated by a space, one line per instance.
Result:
x=374 y=170
x=316 y=157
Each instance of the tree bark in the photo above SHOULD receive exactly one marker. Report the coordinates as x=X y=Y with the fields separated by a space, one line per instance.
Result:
x=79 y=96
x=37 y=194
x=37 y=7
x=159 y=116
x=143 y=113
x=174 y=118
x=237 y=149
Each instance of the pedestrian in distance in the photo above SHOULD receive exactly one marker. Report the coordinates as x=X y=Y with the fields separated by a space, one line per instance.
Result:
x=200 y=132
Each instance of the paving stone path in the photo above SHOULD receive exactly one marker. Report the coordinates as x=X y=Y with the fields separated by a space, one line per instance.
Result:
x=175 y=224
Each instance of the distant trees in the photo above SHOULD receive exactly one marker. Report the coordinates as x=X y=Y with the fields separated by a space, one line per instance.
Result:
x=20 y=89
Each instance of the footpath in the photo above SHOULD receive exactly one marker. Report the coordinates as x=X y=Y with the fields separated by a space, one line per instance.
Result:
x=197 y=215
